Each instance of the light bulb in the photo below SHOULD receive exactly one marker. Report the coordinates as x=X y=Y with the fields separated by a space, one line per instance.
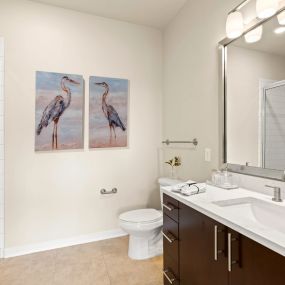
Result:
x=266 y=8
x=234 y=25
x=279 y=30
x=281 y=18
x=254 y=35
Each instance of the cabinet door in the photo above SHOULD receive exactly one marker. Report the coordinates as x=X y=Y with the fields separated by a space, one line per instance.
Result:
x=197 y=250
x=254 y=264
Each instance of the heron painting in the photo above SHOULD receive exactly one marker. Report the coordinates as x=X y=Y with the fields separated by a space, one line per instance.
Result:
x=59 y=111
x=108 y=112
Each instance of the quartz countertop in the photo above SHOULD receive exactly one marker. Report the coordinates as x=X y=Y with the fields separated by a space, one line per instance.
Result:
x=239 y=221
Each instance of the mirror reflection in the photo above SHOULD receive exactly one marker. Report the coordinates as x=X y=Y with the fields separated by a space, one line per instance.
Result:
x=255 y=98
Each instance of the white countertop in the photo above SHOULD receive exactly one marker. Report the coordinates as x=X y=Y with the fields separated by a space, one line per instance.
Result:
x=239 y=221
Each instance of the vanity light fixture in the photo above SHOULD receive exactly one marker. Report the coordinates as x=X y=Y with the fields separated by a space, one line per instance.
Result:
x=234 y=25
x=281 y=18
x=254 y=35
x=279 y=30
x=266 y=8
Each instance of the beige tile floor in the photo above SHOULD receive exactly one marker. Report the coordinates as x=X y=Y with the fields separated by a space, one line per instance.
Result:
x=99 y=263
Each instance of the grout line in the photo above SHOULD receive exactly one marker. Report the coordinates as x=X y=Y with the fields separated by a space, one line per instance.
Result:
x=107 y=269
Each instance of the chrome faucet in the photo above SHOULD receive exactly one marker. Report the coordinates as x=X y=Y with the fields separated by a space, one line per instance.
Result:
x=277 y=193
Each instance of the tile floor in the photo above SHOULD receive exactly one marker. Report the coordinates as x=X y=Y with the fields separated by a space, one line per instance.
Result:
x=99 y=263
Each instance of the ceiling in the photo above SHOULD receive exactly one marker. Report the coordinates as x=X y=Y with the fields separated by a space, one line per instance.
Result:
x=154 y=13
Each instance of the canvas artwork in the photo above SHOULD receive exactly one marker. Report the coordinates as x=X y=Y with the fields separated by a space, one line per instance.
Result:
x=59 y=111
x=108 y=112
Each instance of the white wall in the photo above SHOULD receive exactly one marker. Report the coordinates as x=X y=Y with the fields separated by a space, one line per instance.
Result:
x=243 y=99
x=191 y=96
x=56 y=195
x=1 y=146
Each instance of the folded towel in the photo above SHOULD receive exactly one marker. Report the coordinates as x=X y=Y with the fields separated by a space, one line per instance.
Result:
x=193 y=189
x=189 y=188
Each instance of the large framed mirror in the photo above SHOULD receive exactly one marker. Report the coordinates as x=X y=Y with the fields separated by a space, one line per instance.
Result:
x=253 y=82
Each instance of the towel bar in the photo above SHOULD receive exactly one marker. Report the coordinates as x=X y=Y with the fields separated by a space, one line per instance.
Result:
x=168 y=142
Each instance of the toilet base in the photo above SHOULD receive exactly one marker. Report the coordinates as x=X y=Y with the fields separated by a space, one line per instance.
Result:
x=143 y=248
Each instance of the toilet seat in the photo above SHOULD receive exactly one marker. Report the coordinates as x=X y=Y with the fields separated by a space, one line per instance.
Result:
x=141 y=216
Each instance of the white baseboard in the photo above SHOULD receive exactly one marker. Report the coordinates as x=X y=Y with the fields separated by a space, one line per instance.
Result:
x=38 y=247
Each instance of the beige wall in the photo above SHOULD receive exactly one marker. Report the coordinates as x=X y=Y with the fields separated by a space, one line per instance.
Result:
x=191 y=100
x=243 y=129
x=56 y=195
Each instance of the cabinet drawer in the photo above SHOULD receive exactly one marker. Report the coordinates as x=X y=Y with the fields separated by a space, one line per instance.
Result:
x=171 y=207
x=170 y=237
x=170 y=271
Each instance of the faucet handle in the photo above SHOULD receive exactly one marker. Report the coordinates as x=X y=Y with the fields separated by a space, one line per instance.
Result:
x=277 y=193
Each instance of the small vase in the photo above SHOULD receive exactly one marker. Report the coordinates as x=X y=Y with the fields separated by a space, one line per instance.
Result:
x=173 y=173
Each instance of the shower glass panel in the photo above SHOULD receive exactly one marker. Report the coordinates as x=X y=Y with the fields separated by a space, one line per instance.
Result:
x=274 y=126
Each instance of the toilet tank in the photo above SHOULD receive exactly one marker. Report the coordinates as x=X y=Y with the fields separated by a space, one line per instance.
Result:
x=165 y=181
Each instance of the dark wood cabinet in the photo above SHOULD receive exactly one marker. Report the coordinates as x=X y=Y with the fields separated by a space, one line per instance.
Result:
x=254 y=264
x=171 y=241
x=200 y=251
x=201 y=248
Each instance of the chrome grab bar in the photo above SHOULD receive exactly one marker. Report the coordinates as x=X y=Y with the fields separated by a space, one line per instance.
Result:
x=105 y=192
x=171 y=280
x=169 y=207
x=169 y=239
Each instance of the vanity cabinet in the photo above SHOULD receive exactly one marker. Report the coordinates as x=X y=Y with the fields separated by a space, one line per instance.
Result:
x=170 y=240
x=254 y=264
x=200 y=251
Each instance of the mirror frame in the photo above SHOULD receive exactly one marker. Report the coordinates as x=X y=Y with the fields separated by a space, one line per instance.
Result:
x=236 y=168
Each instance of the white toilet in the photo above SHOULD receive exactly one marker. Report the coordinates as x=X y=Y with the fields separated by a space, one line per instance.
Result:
x=144 y=227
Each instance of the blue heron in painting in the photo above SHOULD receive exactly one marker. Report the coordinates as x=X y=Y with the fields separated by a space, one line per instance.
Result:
x=55 y=109
x=110 y=112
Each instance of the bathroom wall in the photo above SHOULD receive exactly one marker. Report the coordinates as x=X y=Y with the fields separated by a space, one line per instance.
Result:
x=1 y=146
x=191 y=90
x=54 y=197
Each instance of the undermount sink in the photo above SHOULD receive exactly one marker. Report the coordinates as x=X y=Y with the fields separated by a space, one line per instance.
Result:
x=257 y=210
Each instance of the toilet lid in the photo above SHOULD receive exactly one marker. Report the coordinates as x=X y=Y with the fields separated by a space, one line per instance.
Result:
x=141 y=216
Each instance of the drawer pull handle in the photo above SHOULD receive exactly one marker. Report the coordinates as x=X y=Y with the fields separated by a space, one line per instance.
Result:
x=171 y=279
x=216 y=250
x=170 y=239
x=168 y=207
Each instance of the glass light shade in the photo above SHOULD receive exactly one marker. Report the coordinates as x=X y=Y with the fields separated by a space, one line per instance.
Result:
x=234 y=25
x=281 y=18
x=266 y=8
x=254 y=35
